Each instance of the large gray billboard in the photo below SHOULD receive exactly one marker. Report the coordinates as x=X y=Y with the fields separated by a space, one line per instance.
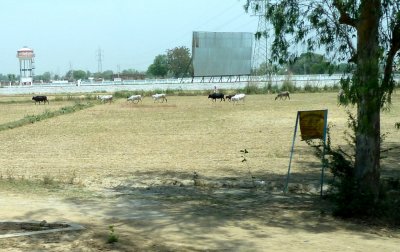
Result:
x=222 y=53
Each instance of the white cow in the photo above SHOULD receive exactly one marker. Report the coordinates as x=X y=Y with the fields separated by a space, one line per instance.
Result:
x=105 y=98
x=135 y=98
x=238 y=97
x=158 y=97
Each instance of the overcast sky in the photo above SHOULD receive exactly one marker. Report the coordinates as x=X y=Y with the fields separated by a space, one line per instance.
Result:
x=129 y=33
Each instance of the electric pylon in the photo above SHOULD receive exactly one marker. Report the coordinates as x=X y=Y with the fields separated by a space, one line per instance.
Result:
x=99 y=57
x=260 y=51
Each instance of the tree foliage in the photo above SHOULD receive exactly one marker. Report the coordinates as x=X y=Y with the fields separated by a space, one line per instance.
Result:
x=365 y=33
x=336 y=26
x=159 y=68
x=11 y=77
x=310 y=63
x=79 y=75
x=179 y=61
x=132 y=74
x=306 y=63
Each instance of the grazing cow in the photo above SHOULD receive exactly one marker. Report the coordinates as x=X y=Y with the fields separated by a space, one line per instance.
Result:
x=283 y=94
x=238 y=97
x=216 y=96
x=40 y=98
x=135 y=98
x=105 y=98
x=229 y=97
x=158 y=97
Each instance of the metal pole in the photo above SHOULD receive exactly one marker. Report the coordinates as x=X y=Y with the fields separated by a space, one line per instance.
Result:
x=323 y=151
x=291 y=154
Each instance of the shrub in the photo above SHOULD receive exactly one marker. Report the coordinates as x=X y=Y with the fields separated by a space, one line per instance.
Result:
x=288 y=85
x=344 y=191
x=123 y=94
x=112 y=237
x=251 y=88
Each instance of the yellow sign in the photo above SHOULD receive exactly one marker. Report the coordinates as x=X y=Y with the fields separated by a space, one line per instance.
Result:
x=312 y=124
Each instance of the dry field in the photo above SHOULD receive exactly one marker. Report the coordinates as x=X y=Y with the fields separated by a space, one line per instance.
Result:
x=109 y=143
x=123 y=147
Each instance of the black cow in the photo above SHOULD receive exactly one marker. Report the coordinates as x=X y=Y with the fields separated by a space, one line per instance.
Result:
x=40 y=98
x=229 y=96
x=216 y=96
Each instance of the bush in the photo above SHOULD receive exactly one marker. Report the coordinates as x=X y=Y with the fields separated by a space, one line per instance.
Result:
x=310 y=88
x=288 y=85
x=112 y=237
x=345 y=189
x=251 y=88
x=123 y=94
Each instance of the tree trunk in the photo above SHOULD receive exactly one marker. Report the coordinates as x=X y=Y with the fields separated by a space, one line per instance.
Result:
x=367 y=163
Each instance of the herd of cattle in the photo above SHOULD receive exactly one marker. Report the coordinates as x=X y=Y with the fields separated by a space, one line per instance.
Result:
x=234 y=98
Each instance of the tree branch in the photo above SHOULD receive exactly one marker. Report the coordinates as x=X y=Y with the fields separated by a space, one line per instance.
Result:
x=387 y=82
x=344 y=16
x=394 y=48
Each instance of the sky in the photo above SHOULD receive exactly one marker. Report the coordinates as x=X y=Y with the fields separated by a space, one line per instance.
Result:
x=128 y=34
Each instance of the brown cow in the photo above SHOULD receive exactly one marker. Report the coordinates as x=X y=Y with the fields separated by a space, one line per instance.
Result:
x=283 y=94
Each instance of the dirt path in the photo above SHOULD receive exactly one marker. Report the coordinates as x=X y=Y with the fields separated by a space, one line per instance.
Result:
x=191 y=219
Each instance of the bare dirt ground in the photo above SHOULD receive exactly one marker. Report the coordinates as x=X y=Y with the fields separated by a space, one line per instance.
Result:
x=132 y=167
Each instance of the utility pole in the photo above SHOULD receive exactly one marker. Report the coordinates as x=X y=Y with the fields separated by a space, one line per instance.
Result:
x=71 y=72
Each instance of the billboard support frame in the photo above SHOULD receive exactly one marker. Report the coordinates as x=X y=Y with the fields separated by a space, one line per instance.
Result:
x=323 y=138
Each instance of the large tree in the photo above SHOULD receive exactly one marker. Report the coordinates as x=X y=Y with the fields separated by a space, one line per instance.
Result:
x=159 y=68
x=179 y=61
x=364 y=32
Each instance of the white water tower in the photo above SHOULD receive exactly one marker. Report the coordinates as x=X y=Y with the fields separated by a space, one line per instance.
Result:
x=26 y=58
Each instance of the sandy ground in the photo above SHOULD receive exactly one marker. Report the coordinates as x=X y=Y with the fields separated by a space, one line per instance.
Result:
x=187 y=218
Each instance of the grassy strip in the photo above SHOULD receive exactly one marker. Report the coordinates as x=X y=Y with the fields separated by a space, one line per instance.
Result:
x=250 y=88
x=29 y=119
x=46 y=185
x=58 y=98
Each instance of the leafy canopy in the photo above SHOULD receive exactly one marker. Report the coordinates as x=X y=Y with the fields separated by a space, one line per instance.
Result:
x=332 y=25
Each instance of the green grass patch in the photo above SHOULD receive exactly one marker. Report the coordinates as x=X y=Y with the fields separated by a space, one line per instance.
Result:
x=45 y=185
x=29 y=119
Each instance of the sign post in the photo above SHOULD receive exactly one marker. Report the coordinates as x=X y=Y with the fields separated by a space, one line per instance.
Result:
x=313 y=125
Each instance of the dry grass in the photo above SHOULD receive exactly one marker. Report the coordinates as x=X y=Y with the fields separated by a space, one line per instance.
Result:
x=106 y=144
x=17 y=107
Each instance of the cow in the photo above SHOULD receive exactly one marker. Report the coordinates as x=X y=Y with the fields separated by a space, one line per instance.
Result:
x=158 y=97
x=105 y=98
x=283 y=94
x=229 y=97
x=40 y=98
x=216 y=96
x=134 y=98
x=238 y=97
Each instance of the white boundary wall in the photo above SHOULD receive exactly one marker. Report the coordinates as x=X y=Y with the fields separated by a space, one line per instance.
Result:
x=173 y=84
